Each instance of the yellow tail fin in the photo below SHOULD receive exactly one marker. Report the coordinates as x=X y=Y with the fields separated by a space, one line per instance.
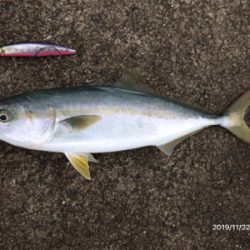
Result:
x=236 y=114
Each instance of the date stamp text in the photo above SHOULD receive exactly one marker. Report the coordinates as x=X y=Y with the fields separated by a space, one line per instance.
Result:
x=231 y=227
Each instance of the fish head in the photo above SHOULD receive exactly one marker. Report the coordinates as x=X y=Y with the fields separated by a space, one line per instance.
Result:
x=27 y=124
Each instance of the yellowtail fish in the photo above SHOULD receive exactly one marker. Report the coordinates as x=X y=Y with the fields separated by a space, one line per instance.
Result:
x=80 y=121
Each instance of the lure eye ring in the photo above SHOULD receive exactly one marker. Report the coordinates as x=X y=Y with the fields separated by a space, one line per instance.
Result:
x=2 y=51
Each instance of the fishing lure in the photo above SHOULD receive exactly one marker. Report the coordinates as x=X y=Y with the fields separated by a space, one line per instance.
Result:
x=83 y=120
x=35 y=50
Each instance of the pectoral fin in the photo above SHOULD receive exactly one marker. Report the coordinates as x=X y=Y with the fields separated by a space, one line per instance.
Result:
x=80 y=122
x=80 y=162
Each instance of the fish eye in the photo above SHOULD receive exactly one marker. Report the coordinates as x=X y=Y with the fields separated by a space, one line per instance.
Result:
x=4 y=117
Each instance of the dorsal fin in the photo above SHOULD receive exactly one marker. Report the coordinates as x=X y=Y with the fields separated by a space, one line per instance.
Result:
x=133 y=81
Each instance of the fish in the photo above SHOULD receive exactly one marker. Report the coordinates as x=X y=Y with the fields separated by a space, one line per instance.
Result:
x=85 y=120
x=35 y=50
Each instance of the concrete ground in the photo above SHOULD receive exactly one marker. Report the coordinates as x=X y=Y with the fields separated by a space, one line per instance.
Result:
x=194 y=51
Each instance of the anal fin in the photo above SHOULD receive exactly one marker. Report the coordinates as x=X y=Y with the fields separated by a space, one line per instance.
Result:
x=80 y=161
x=169 y=147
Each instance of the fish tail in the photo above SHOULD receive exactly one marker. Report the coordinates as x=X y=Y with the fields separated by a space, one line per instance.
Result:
x=233 y=119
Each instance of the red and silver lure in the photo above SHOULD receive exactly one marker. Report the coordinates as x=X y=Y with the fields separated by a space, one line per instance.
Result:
x=35 y=50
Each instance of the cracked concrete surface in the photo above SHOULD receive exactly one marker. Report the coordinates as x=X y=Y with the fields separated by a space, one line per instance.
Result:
x=194 y=51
